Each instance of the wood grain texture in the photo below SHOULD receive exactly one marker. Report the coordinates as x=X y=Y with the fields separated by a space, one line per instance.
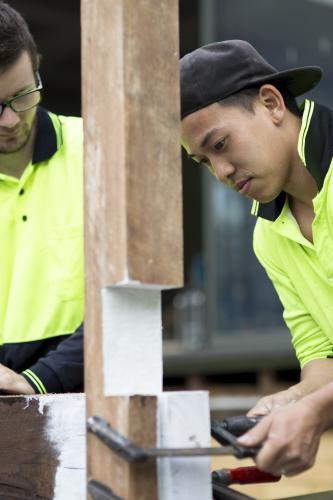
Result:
x=42 y=447
x=134 y=417
x=132 y=140
x=133 y=211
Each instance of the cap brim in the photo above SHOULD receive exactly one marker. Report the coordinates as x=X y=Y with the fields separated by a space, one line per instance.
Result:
x=297 y=81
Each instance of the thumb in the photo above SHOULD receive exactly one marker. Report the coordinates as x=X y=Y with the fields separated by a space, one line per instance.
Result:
x=258 y=410
x=258 y=434
x=263 y=407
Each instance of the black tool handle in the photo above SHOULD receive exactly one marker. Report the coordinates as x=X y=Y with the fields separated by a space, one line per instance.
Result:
x=234 y=425
x=240 y=424
x=225 y=437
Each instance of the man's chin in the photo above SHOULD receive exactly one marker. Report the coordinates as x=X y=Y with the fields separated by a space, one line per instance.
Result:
x=266 y=199
x=13 y=146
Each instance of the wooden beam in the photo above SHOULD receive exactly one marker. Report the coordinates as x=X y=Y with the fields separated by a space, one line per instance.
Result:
x=133 y=213
x=132 y=153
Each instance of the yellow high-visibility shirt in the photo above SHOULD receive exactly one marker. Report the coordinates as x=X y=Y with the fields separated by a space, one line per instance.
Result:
x=41 y=248
x=301 y=271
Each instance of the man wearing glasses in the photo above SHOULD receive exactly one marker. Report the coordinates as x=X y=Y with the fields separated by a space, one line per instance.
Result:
x=41 y=250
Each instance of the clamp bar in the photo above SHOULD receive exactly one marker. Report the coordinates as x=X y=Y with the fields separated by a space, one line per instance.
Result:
x=221 y=492
x=99 y=491
x=223 y=436
x=130 y=452
x=239 y=451
x=115 y=441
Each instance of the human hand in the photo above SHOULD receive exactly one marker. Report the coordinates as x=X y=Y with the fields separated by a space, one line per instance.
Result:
x=289 y=436
x=268 y=403
x=13 y=383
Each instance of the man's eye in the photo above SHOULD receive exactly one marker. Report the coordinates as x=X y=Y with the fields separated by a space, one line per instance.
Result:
x=219 y=145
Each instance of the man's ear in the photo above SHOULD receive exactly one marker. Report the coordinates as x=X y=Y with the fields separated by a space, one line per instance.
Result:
x=273 y=101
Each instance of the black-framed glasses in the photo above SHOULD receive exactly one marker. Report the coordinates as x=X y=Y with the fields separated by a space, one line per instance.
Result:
x=25 y=101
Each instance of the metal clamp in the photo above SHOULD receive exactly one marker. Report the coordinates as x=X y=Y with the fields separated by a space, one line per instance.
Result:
x=221 y=492
x=130 y=452
x=99 y=491
x=223 y=436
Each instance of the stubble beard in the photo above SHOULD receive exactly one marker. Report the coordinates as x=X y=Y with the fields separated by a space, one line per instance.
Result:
x=18 y=145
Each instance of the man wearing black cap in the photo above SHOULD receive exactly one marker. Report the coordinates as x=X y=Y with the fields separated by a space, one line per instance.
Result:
x=241 y=120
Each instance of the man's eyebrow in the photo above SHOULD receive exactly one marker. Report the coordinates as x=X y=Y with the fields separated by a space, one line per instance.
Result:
x=203 y=143
x=207 y=137
x=22 y=90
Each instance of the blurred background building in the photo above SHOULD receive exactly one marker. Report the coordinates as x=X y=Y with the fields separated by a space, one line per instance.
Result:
x=227 y=319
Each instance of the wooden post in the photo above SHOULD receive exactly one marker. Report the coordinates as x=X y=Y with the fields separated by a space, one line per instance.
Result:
x=133 y=219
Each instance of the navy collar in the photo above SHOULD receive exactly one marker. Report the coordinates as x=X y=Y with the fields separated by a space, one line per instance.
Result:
x=46 y=143
x=316 y=140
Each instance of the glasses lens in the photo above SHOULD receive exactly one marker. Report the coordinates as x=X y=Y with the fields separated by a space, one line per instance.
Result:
x=25 y=102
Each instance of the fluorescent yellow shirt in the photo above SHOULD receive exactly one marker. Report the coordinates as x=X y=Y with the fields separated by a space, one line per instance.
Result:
x=302 y=272
x=41 y=250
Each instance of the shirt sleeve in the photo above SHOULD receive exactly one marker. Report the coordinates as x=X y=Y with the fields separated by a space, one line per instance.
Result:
x=308 y=339
x=61 y=370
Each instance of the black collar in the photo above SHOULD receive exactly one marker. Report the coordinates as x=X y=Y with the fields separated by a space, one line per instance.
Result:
x=46 y=143
x=317 y=143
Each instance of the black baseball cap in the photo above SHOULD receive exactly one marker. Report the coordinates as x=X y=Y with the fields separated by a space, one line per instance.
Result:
x=218 y=70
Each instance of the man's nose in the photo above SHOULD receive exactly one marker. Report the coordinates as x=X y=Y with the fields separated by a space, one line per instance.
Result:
x=223 y=170
x=9 y=118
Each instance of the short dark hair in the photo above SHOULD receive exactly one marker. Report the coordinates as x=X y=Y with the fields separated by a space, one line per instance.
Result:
x=244 y=99
x=15 y=38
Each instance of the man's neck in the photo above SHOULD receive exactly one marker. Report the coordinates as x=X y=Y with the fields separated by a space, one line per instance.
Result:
x=300 y=184
x=14 y=164
x=303 y=189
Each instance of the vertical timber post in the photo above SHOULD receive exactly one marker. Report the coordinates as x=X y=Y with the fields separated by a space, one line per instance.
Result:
x=133 y=238
x=133 y=229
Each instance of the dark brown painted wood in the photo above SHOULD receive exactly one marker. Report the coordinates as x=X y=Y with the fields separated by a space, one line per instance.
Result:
x=35 y=431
